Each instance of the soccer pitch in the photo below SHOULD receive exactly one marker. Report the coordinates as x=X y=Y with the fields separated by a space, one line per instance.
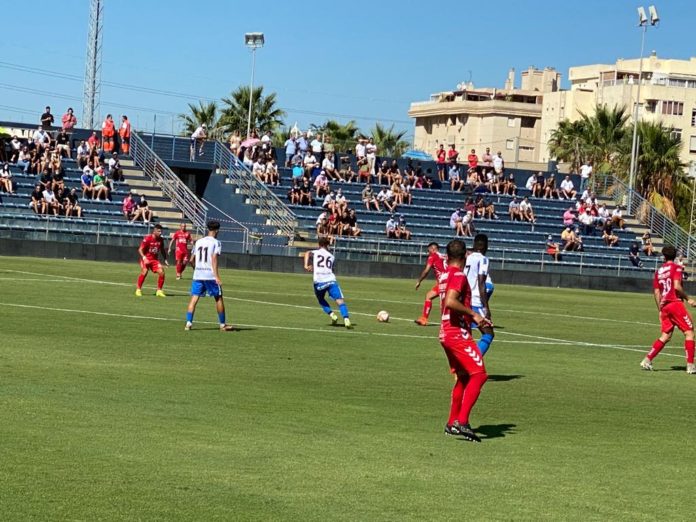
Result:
x=110 y=411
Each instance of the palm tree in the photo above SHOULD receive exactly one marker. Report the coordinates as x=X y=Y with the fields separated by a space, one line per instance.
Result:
x=265 y=115
x=568 y=142
x=389 y=142
x=203 y=113
x=343 y=136
x=604 y=133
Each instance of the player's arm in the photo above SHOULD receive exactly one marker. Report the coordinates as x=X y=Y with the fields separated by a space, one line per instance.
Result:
x=679 y=290
x=307 y=264
x=423 y=274
x=141 y=251
x=214 y=264
x=453 y=303
x=658 y=298
x=171 y=244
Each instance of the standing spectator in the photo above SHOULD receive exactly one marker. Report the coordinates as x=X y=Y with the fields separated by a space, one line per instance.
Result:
x=371 y=155
x=452 y=154
x=68 y=120
x=634 y=255
x=197 y=140
x=514 y=210
x=360 y=149
x=266 y=142
x=47 y=118
x=498 y=163
x=290 y=151
x=526 y=211
x=317 y=148
x=108 y=133
x=455 y=222
x=124 y=133
x=441 y=158
x=302 y=144
x=553 y=249
x=369 y=198
x=472 y=160
x=646 y=242
x=585 y=174
x=567 y=189
x=487 y=160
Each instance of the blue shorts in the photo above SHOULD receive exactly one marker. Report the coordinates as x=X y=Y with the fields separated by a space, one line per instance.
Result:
x=479 y=310
x=489 y=289
x=201 y=288
x=332 y=288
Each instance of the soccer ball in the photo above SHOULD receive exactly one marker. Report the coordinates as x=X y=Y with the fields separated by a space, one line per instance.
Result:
x=383 y=316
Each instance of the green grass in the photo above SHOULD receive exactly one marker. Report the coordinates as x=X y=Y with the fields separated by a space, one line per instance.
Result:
x=121 y=416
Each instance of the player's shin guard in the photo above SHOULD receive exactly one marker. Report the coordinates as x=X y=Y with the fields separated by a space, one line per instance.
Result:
x=160 y=282
x=485 y=343
x=324 y=305
x=427 y=306
x=141 y=280
x=179 y=268
x=471 y=395
x=344 y=310
x=221 y=318
x=457 y=397
x=689 y=348
x=189 y=317
x=656 y=348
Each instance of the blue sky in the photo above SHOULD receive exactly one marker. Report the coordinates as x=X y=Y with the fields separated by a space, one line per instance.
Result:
x=362 y=60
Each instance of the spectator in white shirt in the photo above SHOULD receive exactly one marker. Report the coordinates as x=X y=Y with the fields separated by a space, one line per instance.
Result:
x=198 y=138
x=386 y=198
x=456 y=222
x=15 y=148
x=587 y=222
x=526 y=211
x=321 y=185
x=585 y=173
x=617 y=218
x=360 y=149
x=310 y=161
x=50 y=201
x=391 y=228
x=341 y=201
x=531 y=181
x=317 y=148
x=371 y=154
x=498 y=163
x=603 y=215
x=329 y=167
x=329 y=201
x=40 y=137
x=568 y=189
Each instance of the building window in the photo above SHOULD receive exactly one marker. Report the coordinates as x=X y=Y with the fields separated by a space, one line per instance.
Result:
x=693 y=117
x=672 y=108
x=675 y=134
x=511 y=122
x=510 y=144
x=527 y=148
x=692 y=144
x=528 y=123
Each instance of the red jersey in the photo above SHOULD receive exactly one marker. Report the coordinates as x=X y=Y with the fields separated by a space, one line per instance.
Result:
x=473 y=161
x=441 y=155
x=181 y=240
x=438 y=262
x=452 y=155
x=454 y=325
x=664 y=281
x=152 y=246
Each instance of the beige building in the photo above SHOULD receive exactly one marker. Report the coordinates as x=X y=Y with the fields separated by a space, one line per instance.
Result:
x=667 y=94
x=506 y=120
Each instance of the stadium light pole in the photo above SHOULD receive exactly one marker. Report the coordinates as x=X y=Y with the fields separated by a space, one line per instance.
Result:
x=253 y=41
x=643 y=24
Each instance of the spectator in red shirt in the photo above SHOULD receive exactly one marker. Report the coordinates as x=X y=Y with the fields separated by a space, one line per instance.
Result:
x=452 y=154
x=93 y=140
x=441 y=156
x=69 y=120
x=472 y=158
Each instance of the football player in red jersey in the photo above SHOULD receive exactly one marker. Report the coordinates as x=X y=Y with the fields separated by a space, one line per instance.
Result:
x=438 y=263
x=464 y=357
x=670 y=297
x=182 y=239
x=150 y=249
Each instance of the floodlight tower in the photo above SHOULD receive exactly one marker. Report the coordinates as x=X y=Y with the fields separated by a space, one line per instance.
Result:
x=92 y=87
x=253 y=41
x=643 y=24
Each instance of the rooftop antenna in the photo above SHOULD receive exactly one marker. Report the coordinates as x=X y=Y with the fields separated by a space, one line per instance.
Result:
x=92 y=87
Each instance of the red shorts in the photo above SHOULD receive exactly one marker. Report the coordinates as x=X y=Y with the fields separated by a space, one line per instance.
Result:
x=675 y=314
x=182 y=256
x=463 y=355
x=152 y=265
x=435 y=289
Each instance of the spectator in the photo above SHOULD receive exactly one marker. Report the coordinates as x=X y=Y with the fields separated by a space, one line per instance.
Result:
x=340 y=201
x=41 y=137
x=100 y=188
x=530 y=185
x=498 y=163
x=258 y=168
x=347 y=174
x=585 y=174
x=87 y=181
x=394 y=170
x=68 y=121
x=383 y=175
x=57 y=178
x=647 y=246
x=71 y=204
x=634 y=255
x=306 y=193
x=317 y=148
x=115 y=171
x=37 y=202
x=456 y=222
x=360 y=149
x=329 y=167
x=472 y=160
x=386 y=198
x=610 y=239
x=294 y=192
x=47 y=119
x=603 y=215
x=587 y=222
x=51 y=203
x=398 y=193
x=142 y=211
x=352 y=223
x=266 y=140
x=124 y=133
x=392 y=228
x=440 y=161
x=322 y=224
x=550 y=189
x=487 y=160
x=310 y=162
x=369 y=198
x=514 y=210
x=93 y=141
x=510 y=187
x=553 y=249
x=302 y=144
x=569 y=217
x=371 y=155
x=15 y=149
x=82 y=154
x=617 y=218
x=485 y=208
x=272 y=175
x=468 y=224
x=526 y=211
x=456 y=183
x=63 y=144
x=364 y=175
x=569 y=240
x=567 y=189
x=452 y=154
x=128 y=206
x=6 y=179
x=290 y=151
x=198 y=138
x=579 y=245
x=108 y=134
x=403 y=232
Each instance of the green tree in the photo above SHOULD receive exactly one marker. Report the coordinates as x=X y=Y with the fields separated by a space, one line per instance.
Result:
x=567 y=143
x=604 y=133
x=265 y=115
x=389 y=142
x=198 y=115
x=343 y=136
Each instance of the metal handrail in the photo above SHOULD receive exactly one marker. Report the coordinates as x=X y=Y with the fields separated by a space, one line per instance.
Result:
x=611 y=187
x=229 y=219
x=276 y=211
x=172 y=187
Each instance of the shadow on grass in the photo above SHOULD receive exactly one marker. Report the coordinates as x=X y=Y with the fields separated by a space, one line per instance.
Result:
x=341 y=325
x=216 y=328
x=678 y=368
x=504 y=378
x=495 y=431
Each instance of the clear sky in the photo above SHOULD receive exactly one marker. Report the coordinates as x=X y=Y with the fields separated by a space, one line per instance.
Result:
x=362 y=60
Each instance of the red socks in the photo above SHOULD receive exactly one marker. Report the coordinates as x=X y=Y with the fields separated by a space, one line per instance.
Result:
x=160 y=282
x=457 y=396
x=180 y=267
x=471 y=395
x=141 y=280
x=656 y=348
x=689 y=347
x=427 y=306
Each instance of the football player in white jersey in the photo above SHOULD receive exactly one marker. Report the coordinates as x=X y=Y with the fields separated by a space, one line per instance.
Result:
x=206 y=278
x=321 y=262
x=476 y=269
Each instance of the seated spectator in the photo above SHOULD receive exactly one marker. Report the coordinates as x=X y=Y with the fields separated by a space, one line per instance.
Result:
x=456 y=183
x=369 y=198
x=63 y=144
x=514 y=210
x=468 y=224
x=341 y=203
x=46 y=180
x=498 y=182
x=386 y=198
x=510 y=185
x=24 y=160
x=485 y=208
x=258 y=168
x=603 y=215
x=329 y=203
x=82 y=154
x=310 y=162
x=394 y=170
x=51 y=203
x=142 y=211
x=100 y=189
x=347 y=174
x=68 y=121
x=617 y=218
x=87 y=181
x=297 y=173
x=294 y=192
x=128 y=206
x=579 y=245
x=329 y=167
x=402 y=231
x=364 y=175
x=526 y=211
x=6 y=179
x=634 y=255
x=297 y=159
x=569 y=240
x=587 y=222
x=553 y=249
x=58 y=180
x=456 y=222
x=610 y=239
x=38 y=204
x=530 y=184
x=569 y=217
x=392 y=228
x=71 y=204
x=93 y=141
x=647 y=246
x=384 y=175
x=15 y=149
x=352 y=222
x=321 y=185
x=398 y=193
x=567 y=189
x=322 y=223
x=550 y=190
x=306 y=193
x=406 y=195
x=539 y=186
x=115 y=171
